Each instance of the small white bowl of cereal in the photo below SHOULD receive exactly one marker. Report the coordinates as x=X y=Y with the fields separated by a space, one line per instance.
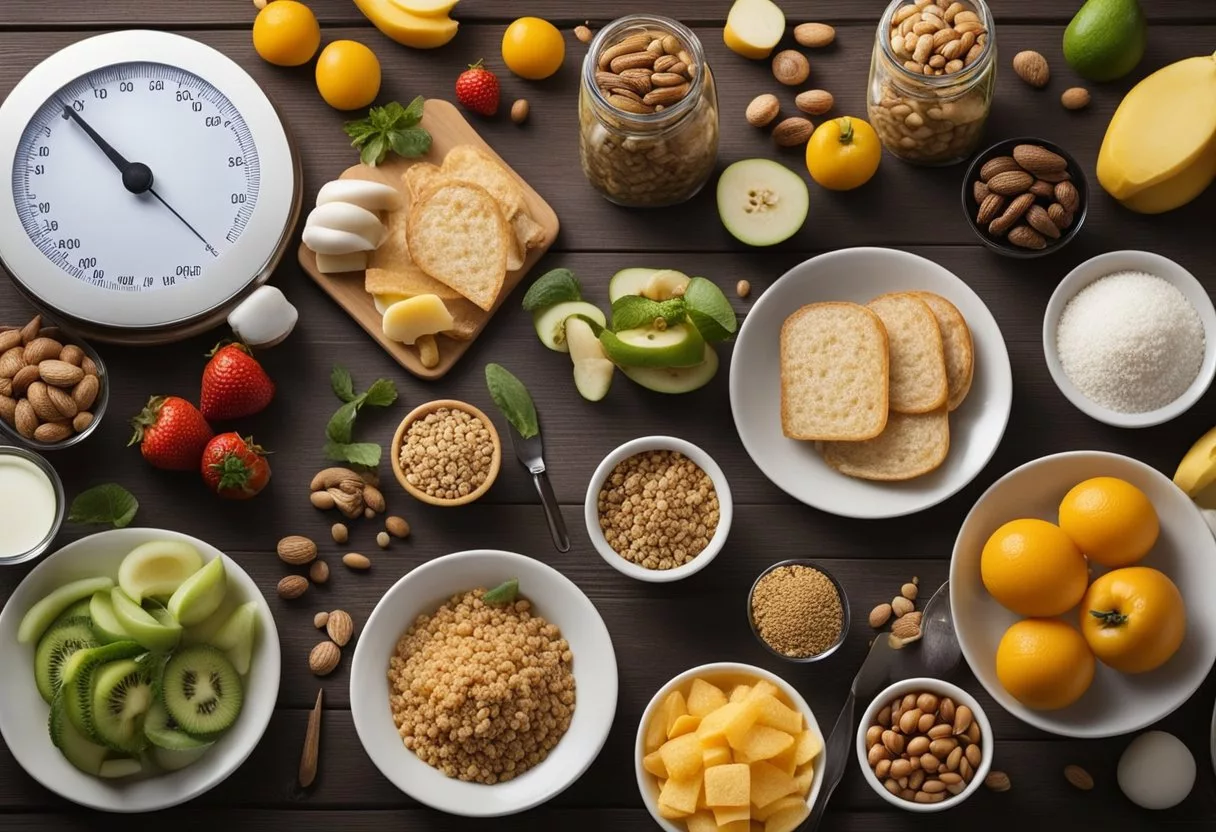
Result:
x=472 y=612
x=658 y=509
x=726 y=744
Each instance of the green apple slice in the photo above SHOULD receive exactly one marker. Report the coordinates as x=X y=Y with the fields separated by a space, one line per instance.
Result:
x=157 y=568
x=551 y=323
x=762 y=203
x=44 y=613
x=238 y=635
x=105 y=622
x=200 y=595
x=680 y=345
x=592 y=369
x=143 y=628
x=629 y=282
x=674 y=380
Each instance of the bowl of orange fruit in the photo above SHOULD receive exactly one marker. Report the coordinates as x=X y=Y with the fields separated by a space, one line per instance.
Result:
x=1078 y=587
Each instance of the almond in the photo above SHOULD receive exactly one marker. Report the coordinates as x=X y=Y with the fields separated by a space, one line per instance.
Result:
x=1060 y=215
x=373 y=498
x=59 y=373
x=814 y=102
x=907 y=626
x=997 y=164
x=612 y=81
x=397 y=526
x=6 y=386
x=72 y=354
x=63 y=402
x=8 y=339
x=979 y=190
x=324 y=658
x=1075 y=98
x=990 y=209
x=354 y=560
x=1043 y=189
x=26 y=376
x=340 y=627
x=1038 y=219
x=322 y=500
x=663 y=96
x=320 y=620
x=628 y=105
x=791 y=67
x=633 y=43
x=901 y=606
x=1067 y=195
x=52 y=431
x=8 y=410
x=41 y=349
x=762 y=110
x=1009 y=217
x=793 y=131
x=665 y=63
x=1027 y=237
x=89 y=366
x=332 y=478
x=82 y=421
x=632 y=60
x=1055 y=176
x=998 y=781
x=44 y=408
x=667 y=79
x=31 y=330
x=814 y=35
x=12 y=361
x=25 y=419
x=1079 y=777
x=880 y=615
x=296 y=550
x=85 y=392
x=318 y=573
x=1036 y=159
x=292 y=586
x=1010 y=182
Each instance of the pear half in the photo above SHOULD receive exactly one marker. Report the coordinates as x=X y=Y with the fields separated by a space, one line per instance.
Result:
x=157 y=568
x=200 y=595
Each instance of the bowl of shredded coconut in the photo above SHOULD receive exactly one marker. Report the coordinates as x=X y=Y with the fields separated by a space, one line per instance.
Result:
x=1128 y=338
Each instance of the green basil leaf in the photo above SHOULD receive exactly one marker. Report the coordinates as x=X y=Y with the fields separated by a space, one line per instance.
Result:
x=342 y=383
x=410 y=142
x=551 y=288
x=512 y=399
x=342 y=424
x=108 y=504
x=358 y=453
x=413 y=113
x=382 y=393
x=634 y=311
x=374 y=151
x=505 y=593
x=709 y=310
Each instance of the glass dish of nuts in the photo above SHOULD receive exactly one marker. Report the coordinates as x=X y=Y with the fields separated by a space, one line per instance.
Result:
x=932 y=79
x=648 y=113
x=446 y=453
x=924 y=745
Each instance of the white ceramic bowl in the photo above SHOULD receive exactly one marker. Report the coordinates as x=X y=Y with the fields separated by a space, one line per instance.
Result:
x=591 y=514
x=1122 y=261
x=556 y=598
x=940 y=689
x=1186 y=551
x=648 y=785
x=796 y=467
x=23 y=713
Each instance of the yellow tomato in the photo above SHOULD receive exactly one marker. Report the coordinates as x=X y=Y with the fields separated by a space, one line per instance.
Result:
x=348 y=75
x=1044 y=663
x=843 y=153
x=533 y=48
x=1134 y=619
x=286 y=33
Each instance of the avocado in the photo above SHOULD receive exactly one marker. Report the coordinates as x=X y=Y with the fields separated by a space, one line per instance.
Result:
x=1106 y=39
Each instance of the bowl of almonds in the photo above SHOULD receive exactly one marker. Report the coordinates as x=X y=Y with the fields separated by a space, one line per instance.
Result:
x=1025 y=197
x=53 y=386
x=924 y=745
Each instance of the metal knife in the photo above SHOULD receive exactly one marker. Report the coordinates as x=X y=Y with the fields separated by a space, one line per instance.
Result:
x=531 y=453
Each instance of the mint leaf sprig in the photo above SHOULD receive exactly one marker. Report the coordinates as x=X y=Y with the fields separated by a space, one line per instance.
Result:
x=339 y=433
x=391 y=127
x=108 y=504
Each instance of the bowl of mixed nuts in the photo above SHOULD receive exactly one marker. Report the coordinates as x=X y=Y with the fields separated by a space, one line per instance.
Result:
x=658 y=509
x=924 y=745
x=1025 y=197
x=446 y=453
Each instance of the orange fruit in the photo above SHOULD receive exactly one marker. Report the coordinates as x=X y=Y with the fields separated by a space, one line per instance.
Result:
x=286 y=33
x=533 y=48
x=1044 y=663
x=1112 y=521
x=1033 y=568
x=348 y=75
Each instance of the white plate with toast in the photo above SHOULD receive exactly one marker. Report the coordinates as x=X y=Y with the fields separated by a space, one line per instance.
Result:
x=887 y=392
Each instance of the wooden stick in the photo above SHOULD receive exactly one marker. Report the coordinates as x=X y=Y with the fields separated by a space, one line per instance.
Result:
x=312 y=743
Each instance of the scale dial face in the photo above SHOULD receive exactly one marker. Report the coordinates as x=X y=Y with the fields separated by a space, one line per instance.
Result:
x=152 y=183
x=71 y=199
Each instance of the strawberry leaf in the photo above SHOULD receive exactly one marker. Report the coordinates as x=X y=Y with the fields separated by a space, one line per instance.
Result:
x=358 y=453
x=382 y=393
x=108 y=504
x=342 y=424
x=342 y=383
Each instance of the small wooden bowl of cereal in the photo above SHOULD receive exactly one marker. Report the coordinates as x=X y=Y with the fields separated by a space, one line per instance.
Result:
x=435 y=435
x=658 y=509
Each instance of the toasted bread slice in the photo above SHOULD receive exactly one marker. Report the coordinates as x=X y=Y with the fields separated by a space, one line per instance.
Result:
x=918 y=363
x=458 y=235
x=420 y=177
x=956 y=343
x=912 y=445
x=391 y=270
x=834 y=373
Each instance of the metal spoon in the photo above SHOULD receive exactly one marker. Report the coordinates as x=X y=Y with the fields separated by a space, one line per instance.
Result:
x=940 y=651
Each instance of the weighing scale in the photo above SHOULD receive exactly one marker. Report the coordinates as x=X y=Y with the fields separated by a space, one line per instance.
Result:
x=153 y=186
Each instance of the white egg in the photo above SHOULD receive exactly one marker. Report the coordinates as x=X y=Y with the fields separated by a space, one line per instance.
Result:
x=1156 y=770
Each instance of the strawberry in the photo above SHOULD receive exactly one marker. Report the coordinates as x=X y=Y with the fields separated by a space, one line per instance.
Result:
x=477 y=89
x=171 y=433
x=234 y=384
x=234 y=467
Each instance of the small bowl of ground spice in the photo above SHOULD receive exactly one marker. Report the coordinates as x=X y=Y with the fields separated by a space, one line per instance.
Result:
x=658 y=509
x=799 y=611
x=446 y=453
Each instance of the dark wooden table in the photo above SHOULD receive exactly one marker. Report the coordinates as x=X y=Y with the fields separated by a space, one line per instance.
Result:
x=658 y=630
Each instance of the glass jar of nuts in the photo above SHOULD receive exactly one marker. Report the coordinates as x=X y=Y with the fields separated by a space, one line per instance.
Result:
x=932 y=79
x=648 y=113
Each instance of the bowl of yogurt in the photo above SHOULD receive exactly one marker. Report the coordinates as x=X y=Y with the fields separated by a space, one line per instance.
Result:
x=31 y=505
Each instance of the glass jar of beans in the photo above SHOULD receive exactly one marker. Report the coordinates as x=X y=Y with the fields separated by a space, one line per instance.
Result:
x=648 y=113
x=932 y=79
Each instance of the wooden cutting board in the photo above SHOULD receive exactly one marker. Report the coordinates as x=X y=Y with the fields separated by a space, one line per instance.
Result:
x=448 y=128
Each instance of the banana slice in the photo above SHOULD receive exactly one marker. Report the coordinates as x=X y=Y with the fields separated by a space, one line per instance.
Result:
x=324 y=240
x=356 y=261
x=345 y=216
x=373 y=196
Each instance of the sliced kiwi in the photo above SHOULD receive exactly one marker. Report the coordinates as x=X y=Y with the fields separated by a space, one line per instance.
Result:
x=79 y=751
x=78 y=610
x=55 y=648
x=77 y=676
x=202 y=691
x=163 y=732
x=122 y=695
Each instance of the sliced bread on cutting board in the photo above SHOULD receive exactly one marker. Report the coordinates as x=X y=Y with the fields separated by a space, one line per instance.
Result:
x=957 y=346
x=912 y=444
x=834 y=373
x=917 y=360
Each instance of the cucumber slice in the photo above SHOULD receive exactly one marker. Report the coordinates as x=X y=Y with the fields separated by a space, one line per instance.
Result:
x=676 y=346
x=200 y=595
x=157 y=568
x=143 y=628
x=105 y=623
x=163 y=732
x=122 y=695
x=55 y=648
x=177 y=760
x=202 y=691
x=550 y=323
x=675 y=379
x=75 y=747
x=77 y=688
x=628 y=282
x=44 y=613
x=762 y=203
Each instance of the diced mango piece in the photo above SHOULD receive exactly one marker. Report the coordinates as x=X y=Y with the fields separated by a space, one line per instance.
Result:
x=701 y=822
x=656 y=732
x=739 y=692
x=672 y=709
x=736 y=826
x=728 y=786
x=803 y=777
x=682 y=756
x=785 y=761
x=808 y=746
x=763 y=688
x=762 y=743
x=704 y=698
x=715 y=755
x=685 y=724
x=781 y=805
x=681 y=795
x=712 y=730
x=727 y=816
x=769 y=783
x=737 y=728
x=775 y=714
x=408 y=319
x=787 y=820
x=653 y=763
x=668 y=812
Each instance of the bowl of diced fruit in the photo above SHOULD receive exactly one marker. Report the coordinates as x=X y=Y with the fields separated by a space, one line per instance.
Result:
x=724 y=745
x=143 y=669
